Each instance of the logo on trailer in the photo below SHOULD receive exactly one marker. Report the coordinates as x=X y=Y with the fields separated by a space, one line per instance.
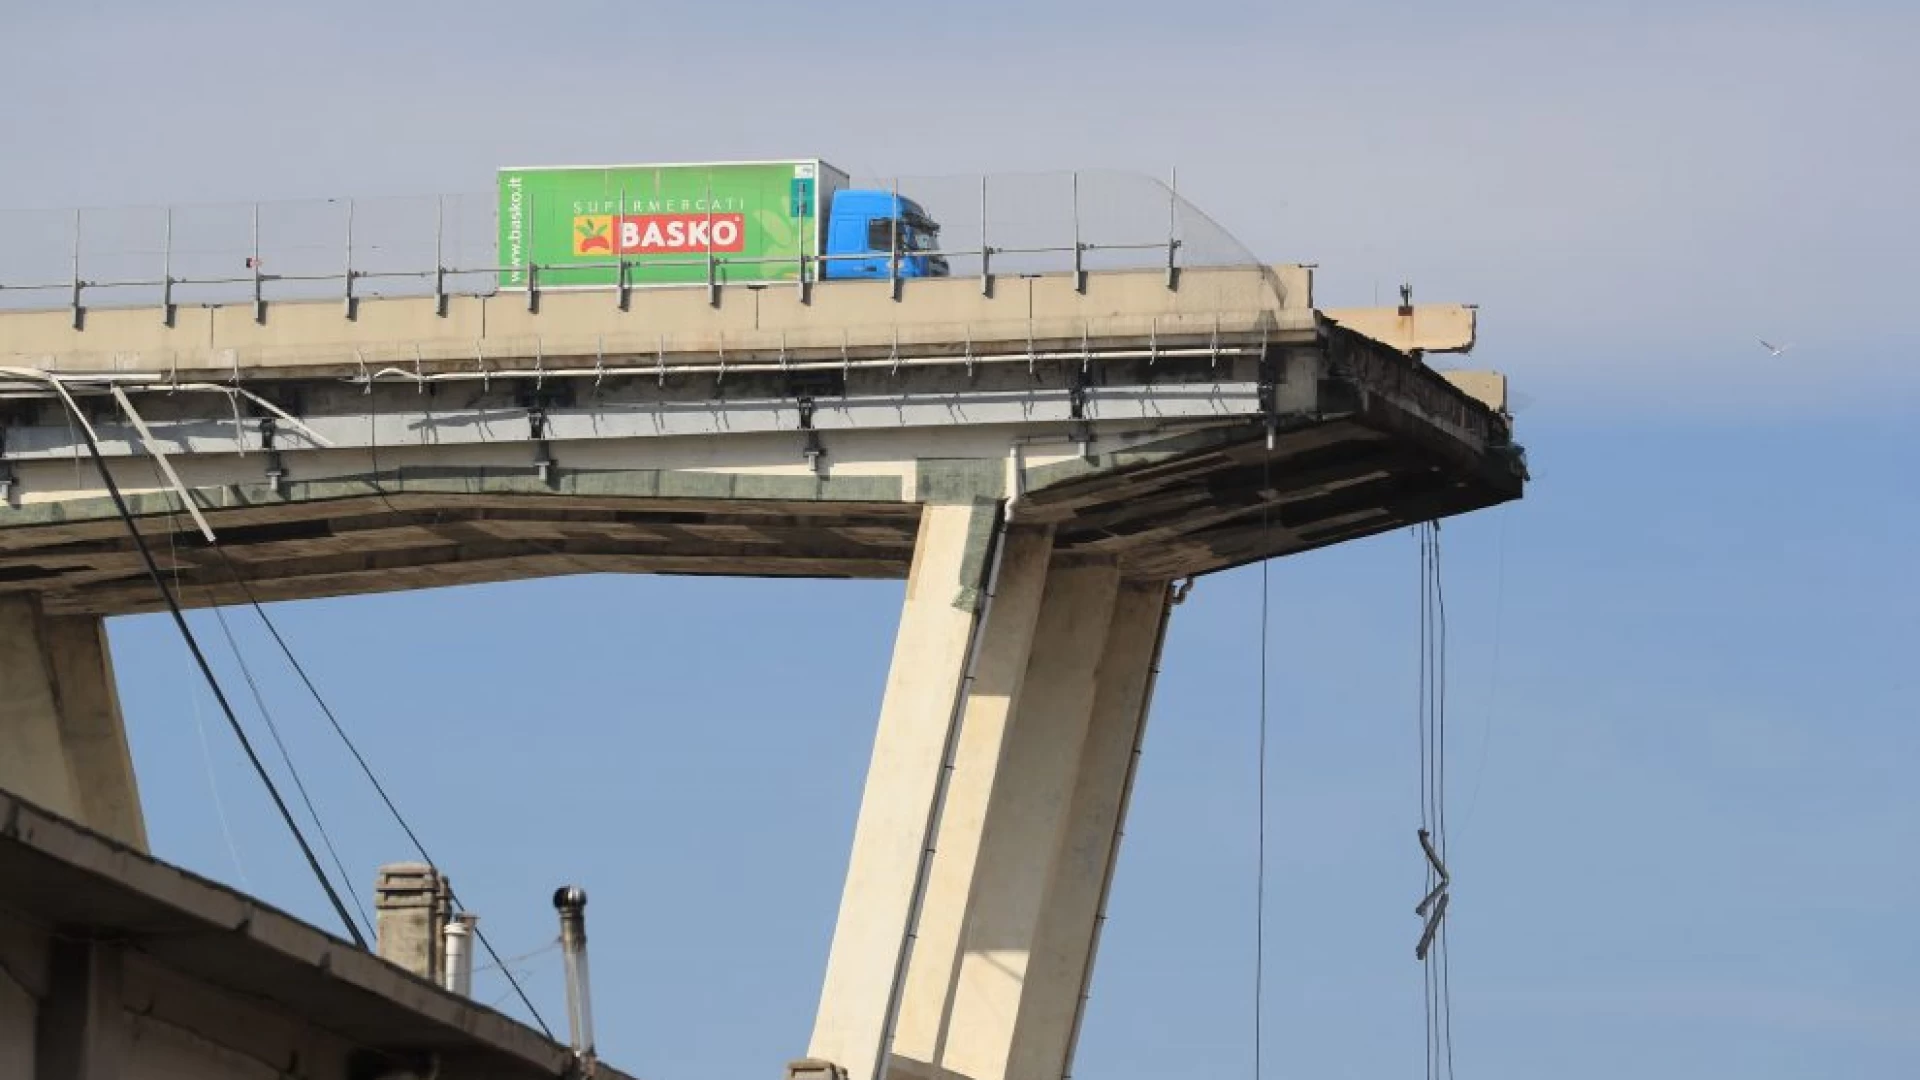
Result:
x=659 y=234
x=593 y=233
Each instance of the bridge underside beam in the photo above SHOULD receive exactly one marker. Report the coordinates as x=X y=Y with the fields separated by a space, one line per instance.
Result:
x=1159 y=503
x=302 y=551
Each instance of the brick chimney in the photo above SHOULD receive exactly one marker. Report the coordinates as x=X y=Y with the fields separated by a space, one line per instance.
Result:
x=412 y=902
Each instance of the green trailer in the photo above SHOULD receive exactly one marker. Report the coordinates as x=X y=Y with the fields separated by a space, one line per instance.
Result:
x=597 y=226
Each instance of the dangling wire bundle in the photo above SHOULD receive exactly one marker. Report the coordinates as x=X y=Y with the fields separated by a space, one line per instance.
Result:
x=1431 y=950
x=193 y=647
x=170 y=596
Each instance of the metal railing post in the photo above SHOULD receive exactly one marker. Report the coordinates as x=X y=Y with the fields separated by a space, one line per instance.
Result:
x=619 y=253
x=259 y=297
x=1173 y=225
x=713 y=278
x=440 y=255
x=348 y=295
x=893 y=247
x=986 y=250
x=166 y=274
x=1079 y=268
x=78 y=318
x=800 y=241
x=810 y=258
x=533 y=266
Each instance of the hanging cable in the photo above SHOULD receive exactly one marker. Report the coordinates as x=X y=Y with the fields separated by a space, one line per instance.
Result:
x=521 y=958
x=233 y=574
x=1431 y=950
x=1440 y=758
x=199 y=721
x=365 y=768
x=286 y=758
x=1260 y=784
x=380 y=491
x=206 y=669
x=1426 y=800
x=79 y=420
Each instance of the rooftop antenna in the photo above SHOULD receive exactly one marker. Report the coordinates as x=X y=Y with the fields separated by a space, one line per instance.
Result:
x=571 y=902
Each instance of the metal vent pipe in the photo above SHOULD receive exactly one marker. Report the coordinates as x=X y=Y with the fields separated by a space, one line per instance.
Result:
x=457 y=938
x=571 y=902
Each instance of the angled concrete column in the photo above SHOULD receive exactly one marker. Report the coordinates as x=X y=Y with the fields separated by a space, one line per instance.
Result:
x=1000 y=671
x=1049 y=691
x=1061 y=963
x=62 y=742
x=945 y=588
x=1026 y=822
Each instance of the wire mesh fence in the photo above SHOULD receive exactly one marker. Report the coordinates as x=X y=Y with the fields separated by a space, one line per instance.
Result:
x=317 y=249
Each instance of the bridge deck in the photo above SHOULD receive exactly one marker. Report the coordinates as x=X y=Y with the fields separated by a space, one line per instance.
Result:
x=770 y=434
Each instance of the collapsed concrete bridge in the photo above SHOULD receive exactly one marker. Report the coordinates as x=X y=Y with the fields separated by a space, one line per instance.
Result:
x=1041 y=460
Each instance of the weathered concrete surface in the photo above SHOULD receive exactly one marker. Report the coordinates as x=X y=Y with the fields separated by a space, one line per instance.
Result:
x=62 y=741
x=412 y=902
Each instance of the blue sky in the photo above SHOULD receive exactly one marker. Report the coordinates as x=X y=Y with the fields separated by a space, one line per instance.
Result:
x=1683 y=692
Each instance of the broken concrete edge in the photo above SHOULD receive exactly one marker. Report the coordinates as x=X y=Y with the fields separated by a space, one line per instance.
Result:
x=220 y=909
x=1470 y=405
x=815 y=1069
x=1412 y=328
x=1361 y=375
x=1489 y=388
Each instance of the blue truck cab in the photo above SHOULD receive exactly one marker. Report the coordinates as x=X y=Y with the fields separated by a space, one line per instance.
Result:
x=861 y=222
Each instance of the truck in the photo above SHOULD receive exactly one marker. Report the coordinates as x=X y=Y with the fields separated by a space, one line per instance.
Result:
x=742 y=222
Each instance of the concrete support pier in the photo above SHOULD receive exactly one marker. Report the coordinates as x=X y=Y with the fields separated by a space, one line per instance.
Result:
x=969 y=920
x=63 y=744
x=946 y=586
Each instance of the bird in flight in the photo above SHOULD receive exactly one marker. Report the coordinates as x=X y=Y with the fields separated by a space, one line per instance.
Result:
x=1772 y=349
